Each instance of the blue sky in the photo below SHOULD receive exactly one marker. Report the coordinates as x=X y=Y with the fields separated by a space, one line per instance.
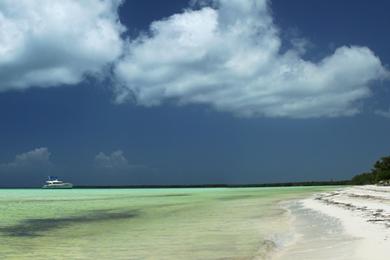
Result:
x=177 y=92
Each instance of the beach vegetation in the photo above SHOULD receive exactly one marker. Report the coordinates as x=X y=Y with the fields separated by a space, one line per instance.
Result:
x=379 y=173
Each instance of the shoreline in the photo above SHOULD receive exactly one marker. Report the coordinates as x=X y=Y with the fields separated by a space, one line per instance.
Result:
x=360 y=215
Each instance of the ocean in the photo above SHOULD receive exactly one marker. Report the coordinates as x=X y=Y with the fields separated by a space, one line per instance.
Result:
x=210 y=223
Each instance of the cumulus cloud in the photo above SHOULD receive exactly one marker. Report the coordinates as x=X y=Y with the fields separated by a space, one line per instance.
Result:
x=36 y=159
x=227 y=54
x=51 y=42
x=116 y=160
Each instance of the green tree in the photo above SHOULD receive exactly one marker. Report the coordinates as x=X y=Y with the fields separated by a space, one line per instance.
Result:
x=363 y=179
x=380 y=172
x=381 y=169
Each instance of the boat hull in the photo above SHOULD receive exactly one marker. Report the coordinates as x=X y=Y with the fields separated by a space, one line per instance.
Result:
x=58 y=186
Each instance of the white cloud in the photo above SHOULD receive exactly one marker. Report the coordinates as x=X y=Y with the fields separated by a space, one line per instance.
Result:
x=383 y=113
x=115 y=160
x=51 y=42
x=228 y=55
x=38 y=158
x=222 y=53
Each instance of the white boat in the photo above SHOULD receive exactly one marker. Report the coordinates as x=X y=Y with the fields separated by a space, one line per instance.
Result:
x=54 y=183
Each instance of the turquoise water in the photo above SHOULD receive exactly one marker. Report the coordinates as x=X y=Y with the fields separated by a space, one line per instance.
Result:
x=144 y=223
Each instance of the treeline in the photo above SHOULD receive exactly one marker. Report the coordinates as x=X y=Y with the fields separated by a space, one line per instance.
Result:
x=380 y=172
x=283 y=184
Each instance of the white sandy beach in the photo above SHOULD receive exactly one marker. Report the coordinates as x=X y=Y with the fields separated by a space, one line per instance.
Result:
x=350 y=223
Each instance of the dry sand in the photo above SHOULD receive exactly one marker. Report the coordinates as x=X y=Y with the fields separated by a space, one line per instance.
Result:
x=364 y=213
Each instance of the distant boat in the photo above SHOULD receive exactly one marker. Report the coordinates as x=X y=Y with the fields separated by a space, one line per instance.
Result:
x=54 y=183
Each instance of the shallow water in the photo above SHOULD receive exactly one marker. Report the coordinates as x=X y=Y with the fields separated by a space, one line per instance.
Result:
x=145 y=223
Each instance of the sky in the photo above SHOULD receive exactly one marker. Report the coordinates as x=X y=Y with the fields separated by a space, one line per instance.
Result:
x=103 y=92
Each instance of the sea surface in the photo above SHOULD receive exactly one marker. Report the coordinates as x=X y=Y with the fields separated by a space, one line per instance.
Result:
x=220 y=223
